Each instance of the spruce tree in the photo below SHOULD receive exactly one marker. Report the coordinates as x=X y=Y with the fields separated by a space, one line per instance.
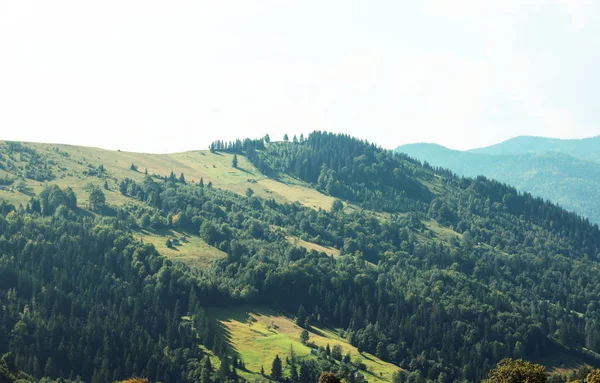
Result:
x=304 y=336
x=304 y=373
x=224 y=370
x=301 y=316
x=207 y=371
x=277 y=369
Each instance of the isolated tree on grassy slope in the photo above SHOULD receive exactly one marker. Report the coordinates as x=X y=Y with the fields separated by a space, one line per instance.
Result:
x=304 y=337
x=234 y=162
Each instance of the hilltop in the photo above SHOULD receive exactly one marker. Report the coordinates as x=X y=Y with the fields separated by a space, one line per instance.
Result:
x=77 y=166
x=424 y=274
x=80 y=168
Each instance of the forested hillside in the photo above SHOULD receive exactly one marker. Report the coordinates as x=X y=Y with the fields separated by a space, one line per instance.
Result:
x=440 y=275
x=565 y=179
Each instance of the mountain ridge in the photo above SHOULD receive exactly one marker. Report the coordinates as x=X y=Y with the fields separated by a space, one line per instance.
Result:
x=571 y=181
x=584 y=148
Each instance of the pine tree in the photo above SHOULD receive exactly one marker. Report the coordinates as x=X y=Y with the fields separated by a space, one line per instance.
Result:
x=50 y=369
x=304 y=374
x=234 y=162
x=224 y=370
x=301 y=316
x=97 y=200
x=234 y=375
x=304 y=337
x=277 y=369
x=207 y=371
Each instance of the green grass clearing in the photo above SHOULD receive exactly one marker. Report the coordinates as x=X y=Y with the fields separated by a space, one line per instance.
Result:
x=313 y=246
x=190 y=249
x=444 y=233
x=258 y=334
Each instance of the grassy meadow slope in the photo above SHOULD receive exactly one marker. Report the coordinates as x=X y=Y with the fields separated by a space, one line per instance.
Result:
x=69 y=163
x=78 y=167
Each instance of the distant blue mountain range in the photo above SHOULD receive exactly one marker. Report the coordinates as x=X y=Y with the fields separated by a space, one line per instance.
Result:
x=566 y=172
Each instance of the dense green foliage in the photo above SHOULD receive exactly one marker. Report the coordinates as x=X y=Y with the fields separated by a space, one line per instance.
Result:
x=514 y=276
x=26 y=162
x=81 y=298
x=351 y=169
x=517 y=371
x=9 y=373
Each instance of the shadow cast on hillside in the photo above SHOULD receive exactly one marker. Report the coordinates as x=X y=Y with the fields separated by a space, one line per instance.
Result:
x=243 y=170
x=219 y=319
x=83 y=213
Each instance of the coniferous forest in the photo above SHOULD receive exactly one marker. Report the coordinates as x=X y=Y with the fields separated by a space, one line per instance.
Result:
x=83 y=298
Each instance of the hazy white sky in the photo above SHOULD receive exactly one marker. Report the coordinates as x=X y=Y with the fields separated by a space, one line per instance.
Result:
x=170 y=76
